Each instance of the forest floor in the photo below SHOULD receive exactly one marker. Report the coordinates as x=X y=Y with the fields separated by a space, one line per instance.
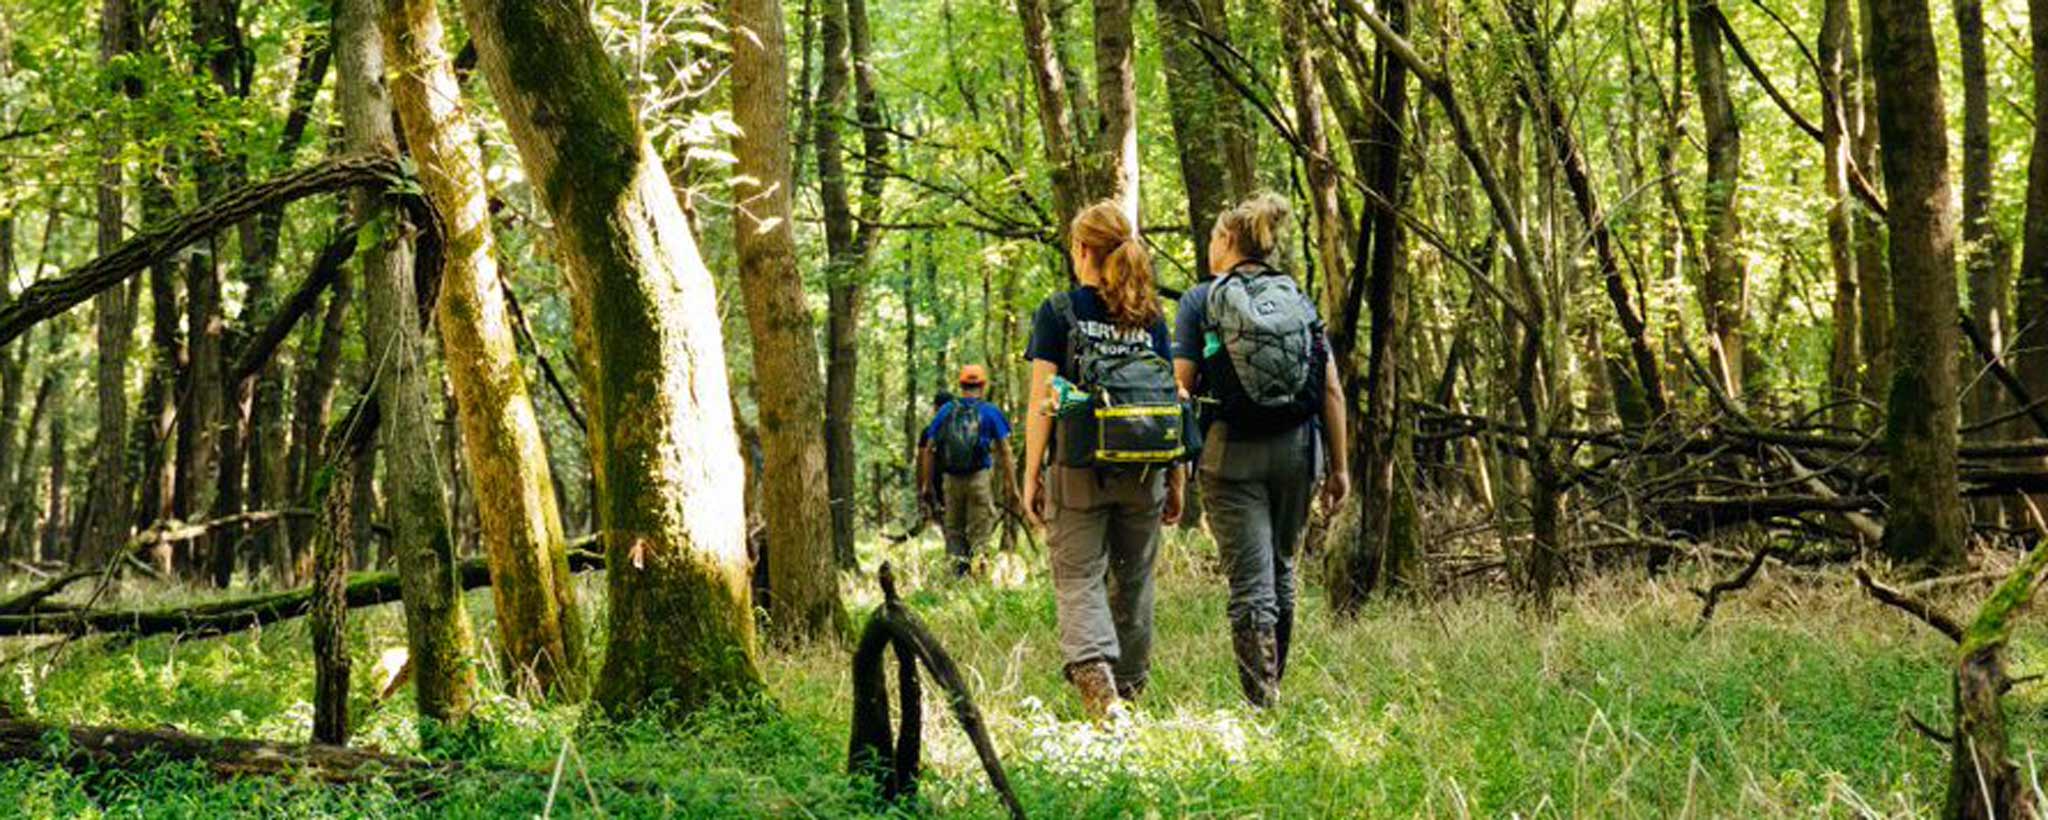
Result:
x=1789 y=704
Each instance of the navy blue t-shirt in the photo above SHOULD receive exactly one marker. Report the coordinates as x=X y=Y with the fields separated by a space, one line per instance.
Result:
x=1049 y=331
x=1188 y=321
x=994 y=427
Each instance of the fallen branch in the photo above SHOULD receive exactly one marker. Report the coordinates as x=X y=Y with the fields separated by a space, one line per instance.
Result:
x=86 y=748
x=1910 y=604
x=1712 y=594
x=237 y=614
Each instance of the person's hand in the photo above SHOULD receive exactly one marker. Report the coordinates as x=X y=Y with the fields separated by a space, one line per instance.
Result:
x=1336 y=487
x=1034 y=502
x=1175 y=497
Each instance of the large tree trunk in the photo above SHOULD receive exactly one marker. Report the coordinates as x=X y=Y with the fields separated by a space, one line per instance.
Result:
x=437 y=632
x=803 y=601
x=216 y=40
x=662 y=440
x=1845 y=354
x=1726 y=276
x=539 y=629
x=1926 y=521
x=1116 y=92
x=1209 y=127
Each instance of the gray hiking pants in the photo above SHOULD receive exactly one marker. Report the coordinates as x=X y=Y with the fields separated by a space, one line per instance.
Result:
x=1103 y=532
x=970 y=516
x=1255 y=498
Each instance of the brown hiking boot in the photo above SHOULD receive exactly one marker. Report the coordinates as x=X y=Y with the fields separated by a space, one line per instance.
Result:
x=1257 y=657
x=1096 y=686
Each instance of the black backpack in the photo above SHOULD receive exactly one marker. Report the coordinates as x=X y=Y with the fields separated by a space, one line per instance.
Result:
x=1134 y=414
x=1263 y=353
x=961 y=448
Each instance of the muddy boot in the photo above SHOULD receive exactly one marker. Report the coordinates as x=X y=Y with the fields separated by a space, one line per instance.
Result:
x=1283 y=634
x=1096 y=686
x=1255 y=658
x=1129 y=690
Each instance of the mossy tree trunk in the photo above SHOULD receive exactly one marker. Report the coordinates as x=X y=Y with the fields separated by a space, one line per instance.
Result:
x=1925 y=523
x=539 y=629
x=803 y=601
x=107 y=514
x=662 y=442
x=437 y=633
x=2033 y=275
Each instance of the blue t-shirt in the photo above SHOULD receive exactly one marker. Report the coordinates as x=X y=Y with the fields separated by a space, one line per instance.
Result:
x=994 y=427
x=1188 y=321
x=1049 y=330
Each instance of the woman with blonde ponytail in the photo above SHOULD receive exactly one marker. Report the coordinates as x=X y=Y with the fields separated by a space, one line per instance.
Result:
x=1249 y=344
x=1101 y=510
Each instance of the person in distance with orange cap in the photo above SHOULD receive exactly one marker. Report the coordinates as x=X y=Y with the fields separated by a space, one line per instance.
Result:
x=968 y=442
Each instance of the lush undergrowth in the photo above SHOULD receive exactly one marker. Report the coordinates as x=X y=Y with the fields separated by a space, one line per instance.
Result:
x=1789 y=704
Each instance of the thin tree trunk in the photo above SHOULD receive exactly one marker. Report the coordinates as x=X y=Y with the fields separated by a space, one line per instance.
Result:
x=841 y=269
x=108 y=514
x=1325 y=205
x=803 y=602
x=1055 y=115
x=540 y=631
x=1873 y=269
x=1845 y=354
x=1726 y=277
x=332 y=543
x=662 y=441
x=437 y=632
x=1925 y=523
x=312 y=406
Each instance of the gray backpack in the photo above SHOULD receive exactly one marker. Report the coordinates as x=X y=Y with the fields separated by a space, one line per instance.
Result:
x=1262 y=354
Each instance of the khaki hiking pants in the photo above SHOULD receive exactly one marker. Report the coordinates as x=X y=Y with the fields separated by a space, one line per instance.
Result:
x=970 y=516
x=1103 y=532
x=1255 y=498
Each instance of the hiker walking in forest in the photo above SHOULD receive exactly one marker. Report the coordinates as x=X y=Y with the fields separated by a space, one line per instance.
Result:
x=1102 y=438
x=1250 y=345
x=967 y=440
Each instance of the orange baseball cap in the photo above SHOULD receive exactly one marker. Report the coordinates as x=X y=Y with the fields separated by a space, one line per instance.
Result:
x=973 y=375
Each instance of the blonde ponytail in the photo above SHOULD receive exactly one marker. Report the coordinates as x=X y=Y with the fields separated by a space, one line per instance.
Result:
x=1103 y=233
x=1257 y=227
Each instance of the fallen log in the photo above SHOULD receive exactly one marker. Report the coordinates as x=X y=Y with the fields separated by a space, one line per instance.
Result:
x=236 y=614
x=86 y=748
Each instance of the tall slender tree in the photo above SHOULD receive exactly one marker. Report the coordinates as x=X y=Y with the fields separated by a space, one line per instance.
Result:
x=107 y=514
x=803 y=592
x=1210 y=132
x=540 y=631
x=1925 y=523
x=437 y=632
x=1116 y=91
x=662 y=442
x=1726 y=276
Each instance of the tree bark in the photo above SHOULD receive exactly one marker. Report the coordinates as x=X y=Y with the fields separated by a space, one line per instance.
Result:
x=1117 y=95
x=540 y=631
x=1845 y=348
x=1873 y=270
x=803 y=602
x=1926 y=522
x=1325 y=205
x=331 y=546
x=437 y=631
x=841 y=269
x=1055 y=115
x=1725 y=279
x=2033 y=277
x=1209 y=126
x=662 y=443
x=107 y=514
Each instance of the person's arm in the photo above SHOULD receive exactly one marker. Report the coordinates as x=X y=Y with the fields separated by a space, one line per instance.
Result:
x=1184 y=372
x=1037 y=433
x=1005 y=471
x=924 y=469
x=1335 y=437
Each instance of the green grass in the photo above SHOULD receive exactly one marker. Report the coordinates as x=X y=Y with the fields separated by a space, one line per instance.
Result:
x=1788 y=705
